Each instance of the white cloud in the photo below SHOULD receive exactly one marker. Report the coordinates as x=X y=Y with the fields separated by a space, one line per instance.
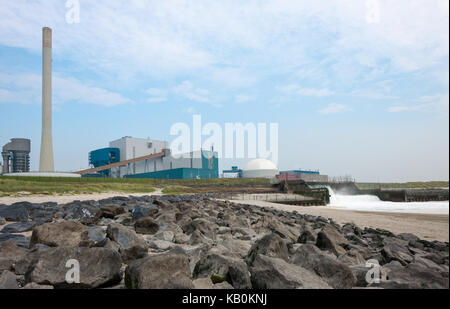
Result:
x=242 y=98
x=26 y=88
x=334 y=108
x=438 y=103
x=315 y=92
x=157 y=95
x=188 y=90
x=294 y=89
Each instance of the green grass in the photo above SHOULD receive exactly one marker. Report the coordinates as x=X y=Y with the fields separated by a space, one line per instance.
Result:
x=179 y=190
x=22 y=186
x=405 y=185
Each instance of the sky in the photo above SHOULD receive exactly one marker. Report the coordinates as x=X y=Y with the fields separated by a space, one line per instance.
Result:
x=356 y=87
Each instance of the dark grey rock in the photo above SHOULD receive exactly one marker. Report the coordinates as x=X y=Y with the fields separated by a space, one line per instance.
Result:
x=275 y=273
x=99 y=267
x=223 y=268
x=396 y=249
x=146 y=225
x=336 y=274
x=270 y=245
x=164 y=271
x=8 y=281
x=331 y=240
x=10 y=254
x=60 y=234
x=131 y=245
x=14 y=212
x=17 y=227
x=83 y=213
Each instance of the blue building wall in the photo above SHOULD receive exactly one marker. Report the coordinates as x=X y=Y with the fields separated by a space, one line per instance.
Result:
x=102 y=157
x=209 y=170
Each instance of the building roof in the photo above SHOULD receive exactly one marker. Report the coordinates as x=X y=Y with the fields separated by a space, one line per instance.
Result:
x=260 y=164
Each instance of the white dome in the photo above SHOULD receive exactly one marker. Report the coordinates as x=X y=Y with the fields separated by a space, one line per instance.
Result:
x=260 y=164
x=260 y=168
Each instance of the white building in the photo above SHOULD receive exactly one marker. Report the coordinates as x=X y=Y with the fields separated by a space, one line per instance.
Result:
x=260 y=168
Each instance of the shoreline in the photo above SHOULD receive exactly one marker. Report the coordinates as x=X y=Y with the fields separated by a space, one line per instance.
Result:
x=426 y=226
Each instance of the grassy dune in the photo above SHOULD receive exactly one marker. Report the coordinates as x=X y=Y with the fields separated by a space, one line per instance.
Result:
x=19 y=186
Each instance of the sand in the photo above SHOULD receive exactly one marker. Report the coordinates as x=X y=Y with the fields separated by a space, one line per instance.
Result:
x=426 y=226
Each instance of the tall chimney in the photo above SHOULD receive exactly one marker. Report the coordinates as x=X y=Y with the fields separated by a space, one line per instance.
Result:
x=46 y=159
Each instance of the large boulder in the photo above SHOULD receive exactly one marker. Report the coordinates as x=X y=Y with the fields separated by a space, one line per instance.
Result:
x=110 y=211
x=84 y=213
x=274 y=273
x=335 y=273
x=419 y=274
x=44 y=212
x=396 y=249
x=8 y=281
x=131 y=245
x=17 y=227
x=60 y=234
x=164 y=271
x=10 y=254
x=14 y=212
x=99 y=267
x=146 y=225
x=330 y=239
x=270 y=245
x=223 y=268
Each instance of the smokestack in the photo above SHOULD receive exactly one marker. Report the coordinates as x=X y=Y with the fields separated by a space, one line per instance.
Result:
x=46 y=159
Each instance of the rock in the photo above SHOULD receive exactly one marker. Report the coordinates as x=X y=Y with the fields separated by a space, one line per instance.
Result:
x=124 y=219
x=416 y=273
x=83 y=213
x=96 y=237
x=274 y=273
x=34 y=286
x=236 y=247
x=14 y=212
x=60 y=234
x=195 y=253
x=336 y=274
x=206 y=227
x=360 y=272
x=396 y=249
x=181 y=238
x=331 y=240
x=198 y=238
x=207 y=284
x=270 y=245
x=161 y=245
x=23 y=265
x=10 y=254
x=164 y=271
x=18 y=227
x=140 y=212
x=98 y=267
x=165 y=235
x=6 y=237
x=131 y=246
x=44 y=212
x=223 y=268
x=2 y=221
x=351 y=258
x=146 y=225
x=307 y=236
x=391 y=285
x=8 y=281
x=110 y=211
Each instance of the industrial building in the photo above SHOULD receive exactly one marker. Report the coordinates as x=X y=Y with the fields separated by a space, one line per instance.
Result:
x=130 y=157
x=16 y=156
x=307 y=176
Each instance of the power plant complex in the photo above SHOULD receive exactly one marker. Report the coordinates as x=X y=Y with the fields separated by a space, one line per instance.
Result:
x=128 y=157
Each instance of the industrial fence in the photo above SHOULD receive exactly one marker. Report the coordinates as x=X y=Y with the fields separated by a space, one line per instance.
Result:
x=268 y=197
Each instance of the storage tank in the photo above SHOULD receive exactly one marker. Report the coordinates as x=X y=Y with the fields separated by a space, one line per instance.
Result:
x=260 y=168
x=16 y=156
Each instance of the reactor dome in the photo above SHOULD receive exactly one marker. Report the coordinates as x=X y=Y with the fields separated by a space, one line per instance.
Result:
x=260 y=168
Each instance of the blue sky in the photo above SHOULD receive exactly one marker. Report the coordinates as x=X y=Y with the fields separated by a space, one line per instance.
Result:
x=350 y=95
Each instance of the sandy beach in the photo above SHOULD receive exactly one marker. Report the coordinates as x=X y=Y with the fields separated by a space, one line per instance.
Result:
x=426 y=226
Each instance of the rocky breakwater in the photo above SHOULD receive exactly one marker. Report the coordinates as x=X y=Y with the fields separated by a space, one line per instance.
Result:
x=185 y=242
